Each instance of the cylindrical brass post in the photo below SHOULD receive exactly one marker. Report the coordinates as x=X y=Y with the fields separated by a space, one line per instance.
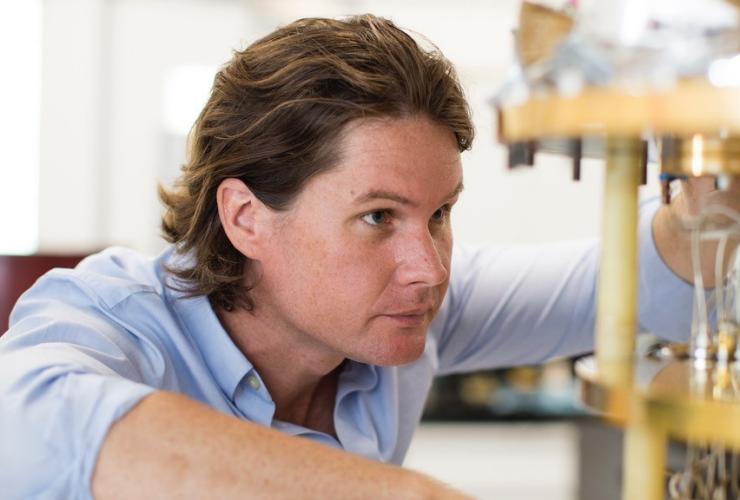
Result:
x=644 y=459
x=616 y=314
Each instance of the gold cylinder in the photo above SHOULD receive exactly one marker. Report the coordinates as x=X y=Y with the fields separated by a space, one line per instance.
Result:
x=700 y=154
x=616 y=313
x=644 y=458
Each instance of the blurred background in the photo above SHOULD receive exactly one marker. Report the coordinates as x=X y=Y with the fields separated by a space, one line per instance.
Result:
x=97 y=97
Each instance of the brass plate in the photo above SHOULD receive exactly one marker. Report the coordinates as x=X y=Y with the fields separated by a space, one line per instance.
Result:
x=691 y=106
x=690 y=405
x=701 y=155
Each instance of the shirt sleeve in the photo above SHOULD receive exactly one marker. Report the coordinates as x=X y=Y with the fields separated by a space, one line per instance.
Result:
x=67 y=372
x=525 y=304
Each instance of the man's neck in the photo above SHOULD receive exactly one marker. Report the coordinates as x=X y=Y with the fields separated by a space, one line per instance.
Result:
x=300 y=373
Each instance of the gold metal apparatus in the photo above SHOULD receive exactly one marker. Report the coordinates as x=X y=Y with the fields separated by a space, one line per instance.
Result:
x=696 y=127
x=540 y=29
x=700 y=154
x=616 y=312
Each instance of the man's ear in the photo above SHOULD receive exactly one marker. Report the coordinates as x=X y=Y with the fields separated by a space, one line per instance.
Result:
x=242 y=216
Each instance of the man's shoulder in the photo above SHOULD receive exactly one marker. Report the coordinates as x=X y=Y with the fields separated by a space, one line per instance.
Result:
x=108 y=278
x=115 y=291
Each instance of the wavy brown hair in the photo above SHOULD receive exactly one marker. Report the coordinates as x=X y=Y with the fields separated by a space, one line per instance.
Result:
x=274 y=119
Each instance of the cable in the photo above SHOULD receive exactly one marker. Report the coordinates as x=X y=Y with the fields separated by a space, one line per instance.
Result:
x=719 y=280
x=701 y=323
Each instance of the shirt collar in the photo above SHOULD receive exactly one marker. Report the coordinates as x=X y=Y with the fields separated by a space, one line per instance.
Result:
x=224 y=359
x=356 y=376
x=227 y=363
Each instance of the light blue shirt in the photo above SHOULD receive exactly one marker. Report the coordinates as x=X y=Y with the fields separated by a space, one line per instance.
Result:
x=86 y=345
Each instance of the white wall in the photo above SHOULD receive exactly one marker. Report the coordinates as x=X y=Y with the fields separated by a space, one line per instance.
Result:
x=103 y=143
x=149 y=38
x=104 y=146
x=20 y=97
x=70 y=162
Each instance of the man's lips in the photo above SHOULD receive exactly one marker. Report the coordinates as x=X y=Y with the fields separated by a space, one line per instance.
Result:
x=409 y=317
x=411 y=312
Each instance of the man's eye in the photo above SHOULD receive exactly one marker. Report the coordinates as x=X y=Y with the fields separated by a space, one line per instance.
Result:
x=441 y=213
x=377 y=218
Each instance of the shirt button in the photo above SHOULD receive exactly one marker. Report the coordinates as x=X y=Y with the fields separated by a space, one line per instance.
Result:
x=254 y=382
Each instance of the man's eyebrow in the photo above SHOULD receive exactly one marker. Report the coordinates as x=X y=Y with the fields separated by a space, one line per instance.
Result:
x=458 y=189
x=379 y=194
x=383 y=195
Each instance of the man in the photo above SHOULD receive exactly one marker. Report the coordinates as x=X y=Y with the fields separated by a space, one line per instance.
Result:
x=305 y=294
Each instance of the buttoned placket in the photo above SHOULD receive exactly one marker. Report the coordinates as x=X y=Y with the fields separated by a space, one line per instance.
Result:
x=253 y=400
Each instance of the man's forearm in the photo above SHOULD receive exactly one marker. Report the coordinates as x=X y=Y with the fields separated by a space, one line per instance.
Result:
x=171 y=447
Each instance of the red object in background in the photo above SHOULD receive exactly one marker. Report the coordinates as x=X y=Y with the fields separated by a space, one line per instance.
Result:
x=19 y=272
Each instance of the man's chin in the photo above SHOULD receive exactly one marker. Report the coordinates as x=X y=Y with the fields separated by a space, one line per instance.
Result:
x=399 y=356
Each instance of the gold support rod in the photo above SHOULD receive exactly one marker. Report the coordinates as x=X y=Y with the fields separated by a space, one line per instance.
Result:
x=616 y=313
x=644 y=458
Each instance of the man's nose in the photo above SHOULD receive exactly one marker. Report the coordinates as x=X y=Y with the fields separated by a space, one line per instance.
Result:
x=422 y=260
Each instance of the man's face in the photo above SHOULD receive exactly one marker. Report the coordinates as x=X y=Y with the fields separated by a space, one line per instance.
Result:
x=359 y=265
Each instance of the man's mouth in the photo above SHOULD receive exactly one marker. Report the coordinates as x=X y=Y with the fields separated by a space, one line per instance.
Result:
x=410 y=317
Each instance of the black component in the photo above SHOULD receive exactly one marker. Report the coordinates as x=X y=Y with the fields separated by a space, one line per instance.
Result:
x=522 y=154
x=665 y=187
x=643 y=163
x=668 y=151
x=576 y=152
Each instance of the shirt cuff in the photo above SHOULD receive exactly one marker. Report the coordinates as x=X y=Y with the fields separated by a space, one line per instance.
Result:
x=120 y=398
